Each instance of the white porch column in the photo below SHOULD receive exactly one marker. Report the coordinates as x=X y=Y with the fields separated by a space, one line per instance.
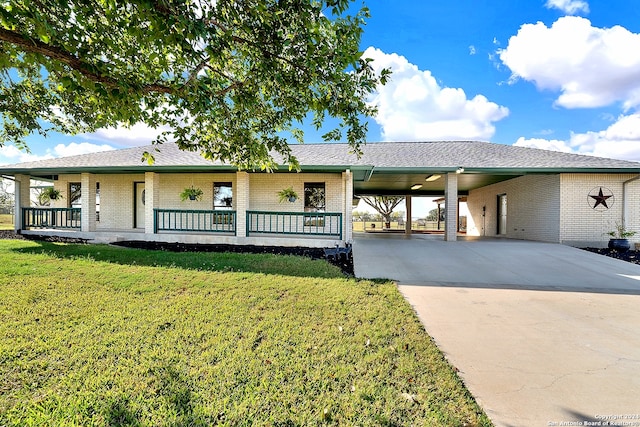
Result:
x=22 y=194
x=88 y=202
x=347 y=206
x=151 y=200
x=407 y=224
x=242 y=203
x=451 y=207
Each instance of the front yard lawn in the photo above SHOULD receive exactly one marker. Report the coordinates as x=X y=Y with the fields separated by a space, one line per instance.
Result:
x=99 y=335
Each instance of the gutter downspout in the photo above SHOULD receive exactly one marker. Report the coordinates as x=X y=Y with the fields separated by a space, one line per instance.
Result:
x=624 y=199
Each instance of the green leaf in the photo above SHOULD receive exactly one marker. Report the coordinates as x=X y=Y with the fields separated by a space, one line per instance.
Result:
x=226 y=80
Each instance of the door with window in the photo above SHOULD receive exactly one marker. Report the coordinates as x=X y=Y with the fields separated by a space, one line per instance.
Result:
x=502 y=214
x=75 y=201
x=138 y=205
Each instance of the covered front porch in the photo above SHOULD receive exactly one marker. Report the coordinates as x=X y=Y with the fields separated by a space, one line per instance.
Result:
x=118 y=207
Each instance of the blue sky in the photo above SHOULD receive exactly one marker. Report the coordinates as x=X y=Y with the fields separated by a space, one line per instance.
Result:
x=554 y=74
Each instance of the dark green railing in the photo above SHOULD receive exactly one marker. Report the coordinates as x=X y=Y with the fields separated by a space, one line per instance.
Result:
x=50 y=218
x=194 y=220
x=305 y=223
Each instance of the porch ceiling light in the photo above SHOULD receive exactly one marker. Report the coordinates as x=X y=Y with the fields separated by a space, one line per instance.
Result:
x=460 y=170
x=431 y=178
x=416 y=186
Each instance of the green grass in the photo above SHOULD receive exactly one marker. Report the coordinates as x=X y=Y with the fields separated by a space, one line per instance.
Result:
x=97 y=335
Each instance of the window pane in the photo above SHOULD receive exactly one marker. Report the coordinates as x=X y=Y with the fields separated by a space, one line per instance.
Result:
x=314 y=197
x=97 y=201
x=74 y=194
x=222 y=196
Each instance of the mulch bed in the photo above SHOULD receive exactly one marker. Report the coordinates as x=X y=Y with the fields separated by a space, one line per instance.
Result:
x=629 y=256
x=10 y=234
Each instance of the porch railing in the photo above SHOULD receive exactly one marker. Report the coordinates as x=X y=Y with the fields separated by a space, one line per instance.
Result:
x=303 y=223
x=51 y=218
x=194 y=220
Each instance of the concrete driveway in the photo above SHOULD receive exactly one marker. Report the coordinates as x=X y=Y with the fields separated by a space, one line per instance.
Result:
x=542 y=334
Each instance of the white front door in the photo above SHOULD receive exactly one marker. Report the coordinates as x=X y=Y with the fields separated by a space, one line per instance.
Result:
x=502 y=214
x=139 y=204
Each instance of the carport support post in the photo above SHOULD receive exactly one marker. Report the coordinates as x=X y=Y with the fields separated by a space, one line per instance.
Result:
x=407 y=224
x=451 y=207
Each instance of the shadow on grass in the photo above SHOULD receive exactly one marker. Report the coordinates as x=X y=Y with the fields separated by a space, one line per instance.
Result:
x=119 y=413
x=266 y=263
x=173 y=396
x=174 y=390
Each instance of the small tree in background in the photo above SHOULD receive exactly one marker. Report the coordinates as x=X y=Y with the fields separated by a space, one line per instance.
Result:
x=384 y=205
x=6 y=197
x=433 y=215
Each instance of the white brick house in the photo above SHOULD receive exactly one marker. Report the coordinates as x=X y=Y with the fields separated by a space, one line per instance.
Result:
x=513 y=192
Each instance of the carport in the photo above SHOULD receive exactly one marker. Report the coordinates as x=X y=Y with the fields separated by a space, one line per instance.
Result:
x=450 y=183
x=541 y=333
x=547 y=190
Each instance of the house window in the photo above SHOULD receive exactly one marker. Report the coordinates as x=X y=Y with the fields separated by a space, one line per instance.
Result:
x=222 y=196
x=314 y=197
x=98 y=201
x=75 y=192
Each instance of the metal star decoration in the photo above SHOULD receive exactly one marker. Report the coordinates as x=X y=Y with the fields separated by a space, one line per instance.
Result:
x=600 y=199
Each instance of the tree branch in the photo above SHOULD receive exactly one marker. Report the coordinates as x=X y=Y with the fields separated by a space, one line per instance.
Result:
x=194 y=73
x=236 y=83
x=163 y=9
x=72 y=61
x=255 y=45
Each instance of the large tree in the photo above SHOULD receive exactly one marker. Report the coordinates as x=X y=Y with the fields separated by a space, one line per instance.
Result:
x=384 y=205
x=232 y=78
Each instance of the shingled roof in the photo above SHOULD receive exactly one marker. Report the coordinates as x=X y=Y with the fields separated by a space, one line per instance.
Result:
x=444 y=155
x=451 y=154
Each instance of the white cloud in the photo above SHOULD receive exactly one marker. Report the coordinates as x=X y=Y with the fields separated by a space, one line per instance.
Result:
x=413 y=106
x=570 y=7
x=472 y=50
x=621 y=140
x=544 y=144
x=591 y=67
x=10 y=154
x=136 y=135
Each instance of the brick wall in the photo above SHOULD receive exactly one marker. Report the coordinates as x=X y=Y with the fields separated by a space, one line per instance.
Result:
x=117 y=200
x=557 y=208
x=265 y=187
x=172 y=185
x=533 y=208
x=581 y=225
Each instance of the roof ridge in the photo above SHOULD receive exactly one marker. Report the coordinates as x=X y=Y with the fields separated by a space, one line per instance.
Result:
x=565 y=153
